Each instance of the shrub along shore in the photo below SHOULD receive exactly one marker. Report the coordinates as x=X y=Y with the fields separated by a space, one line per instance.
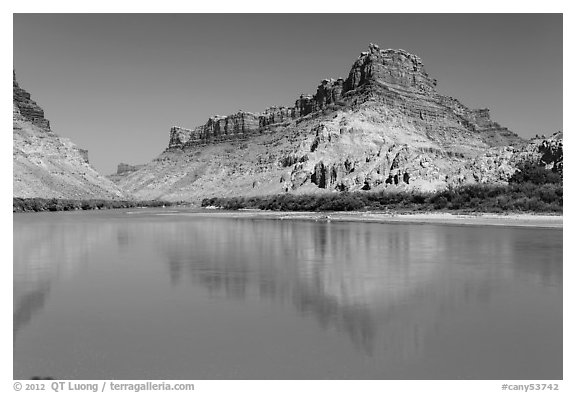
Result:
x=532 y=188
x=42 y=204
x=477 y=198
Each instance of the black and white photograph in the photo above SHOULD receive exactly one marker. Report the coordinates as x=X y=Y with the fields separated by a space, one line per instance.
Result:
x=287 y=196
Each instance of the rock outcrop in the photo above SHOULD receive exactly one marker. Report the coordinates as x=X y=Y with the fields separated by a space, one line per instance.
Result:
x=126 y=168
x=396 y=78
x=24 y=108
x=384 y=126
x=394 y=68
x=551 y=151
x=46 y=165
x=122 y=171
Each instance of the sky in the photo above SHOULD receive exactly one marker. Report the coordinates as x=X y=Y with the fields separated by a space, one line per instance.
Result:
x=115 y=83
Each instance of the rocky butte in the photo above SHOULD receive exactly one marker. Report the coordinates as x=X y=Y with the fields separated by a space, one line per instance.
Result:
x=47 y=165
x=383 y=127
x=122 y=171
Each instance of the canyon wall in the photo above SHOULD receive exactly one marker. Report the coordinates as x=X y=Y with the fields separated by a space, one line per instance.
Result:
x=25 y=108
x=46 y=165
x=384 y=127
x=394 y=78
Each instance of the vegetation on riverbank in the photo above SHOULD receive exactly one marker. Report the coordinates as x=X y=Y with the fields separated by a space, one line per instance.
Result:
x=478 y=198
x=41 y=204
x=532 y=189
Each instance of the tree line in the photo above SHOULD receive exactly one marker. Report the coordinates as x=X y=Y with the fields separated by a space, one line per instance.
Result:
x=532 y=189
x=54 y=204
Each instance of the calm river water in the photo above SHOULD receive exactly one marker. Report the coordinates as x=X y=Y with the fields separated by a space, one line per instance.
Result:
x=150 y=294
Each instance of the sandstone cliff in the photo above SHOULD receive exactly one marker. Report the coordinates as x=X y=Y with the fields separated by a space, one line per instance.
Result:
x=122 y=171
x=47 y=165
x=384 y=126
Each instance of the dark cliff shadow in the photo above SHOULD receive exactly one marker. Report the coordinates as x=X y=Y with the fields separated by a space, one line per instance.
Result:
x=28 y=304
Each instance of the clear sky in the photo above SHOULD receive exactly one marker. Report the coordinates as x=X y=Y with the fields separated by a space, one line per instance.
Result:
x=115 y=84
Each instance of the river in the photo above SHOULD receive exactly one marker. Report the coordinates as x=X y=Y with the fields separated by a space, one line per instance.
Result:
x=162 y=294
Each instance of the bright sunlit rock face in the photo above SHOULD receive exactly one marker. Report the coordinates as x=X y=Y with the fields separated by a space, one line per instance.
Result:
x=47 y=165
x=383 y=127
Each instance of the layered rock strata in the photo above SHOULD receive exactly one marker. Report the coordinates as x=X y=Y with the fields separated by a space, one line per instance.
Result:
x=383 y=127
x=24 y=108
x=122 y=171
x=396 y=78
x=46 y=165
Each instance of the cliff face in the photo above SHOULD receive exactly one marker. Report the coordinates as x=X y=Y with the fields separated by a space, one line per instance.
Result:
x=500 y=162
x=122 y=171
x=26 y=109
x=49 y=166
x=384 y=126
x=394 y=78
x=394 y=68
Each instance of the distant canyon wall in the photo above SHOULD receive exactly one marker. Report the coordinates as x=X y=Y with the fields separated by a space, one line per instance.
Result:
x=393 y=77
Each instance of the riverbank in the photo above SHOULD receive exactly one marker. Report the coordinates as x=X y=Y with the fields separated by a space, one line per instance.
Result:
x=524 y=198
x=24 y=205
x=478 y=219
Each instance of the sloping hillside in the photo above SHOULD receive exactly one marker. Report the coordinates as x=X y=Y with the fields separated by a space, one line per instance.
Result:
x=47 y=165
x=384 y=126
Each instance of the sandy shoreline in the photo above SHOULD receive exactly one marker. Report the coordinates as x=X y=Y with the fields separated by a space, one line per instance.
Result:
x=477 y=219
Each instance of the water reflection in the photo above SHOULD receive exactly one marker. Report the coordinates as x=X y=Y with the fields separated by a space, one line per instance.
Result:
x=293 y=264
x=390 y=291
x=48 y=248
x=356 y=278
